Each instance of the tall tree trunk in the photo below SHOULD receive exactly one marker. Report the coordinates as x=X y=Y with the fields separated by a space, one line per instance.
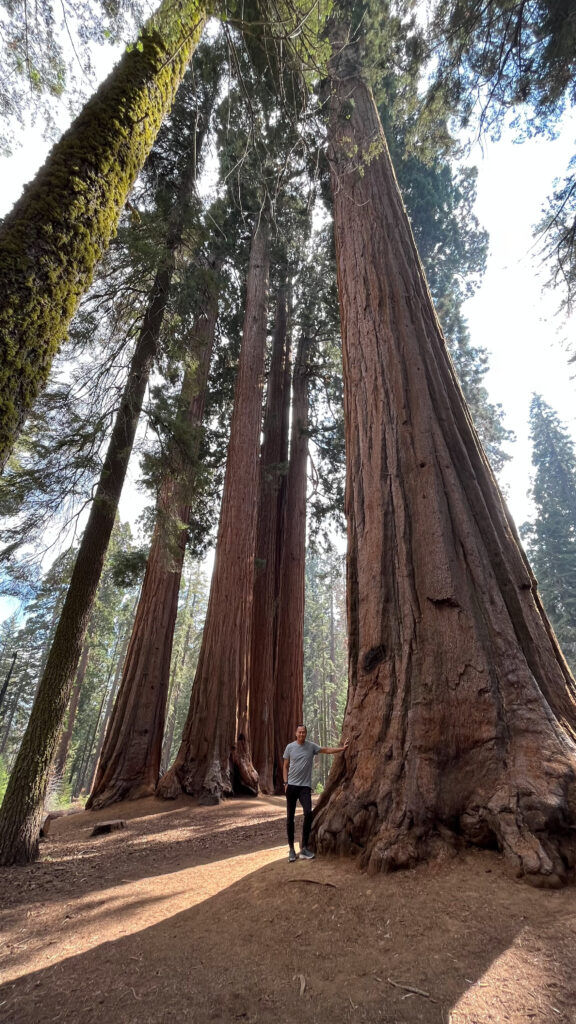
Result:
x=115 y=682
x=51 y=241
x=129 y=764
x=211 y=739
x=290 y=642
x=66 y=734
x=21 y=810
x=273 y=461
x=461 y=708
x=174 y=695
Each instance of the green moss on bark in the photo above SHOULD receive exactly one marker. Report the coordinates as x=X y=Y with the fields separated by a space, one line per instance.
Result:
x=52 y=239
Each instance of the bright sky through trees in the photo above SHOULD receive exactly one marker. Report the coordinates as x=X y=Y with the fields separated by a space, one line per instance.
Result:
x=511 y=315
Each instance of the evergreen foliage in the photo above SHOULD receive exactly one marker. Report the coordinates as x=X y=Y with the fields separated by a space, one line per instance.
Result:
x=514 y=61
x=551 y=535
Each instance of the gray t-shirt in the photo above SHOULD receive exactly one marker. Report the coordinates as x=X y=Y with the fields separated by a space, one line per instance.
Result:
x=301 y=756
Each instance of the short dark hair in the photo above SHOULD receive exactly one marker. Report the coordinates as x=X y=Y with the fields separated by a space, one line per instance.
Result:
x=302 y=726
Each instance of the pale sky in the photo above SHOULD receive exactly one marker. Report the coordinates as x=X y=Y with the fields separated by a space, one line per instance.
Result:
x=510 y=315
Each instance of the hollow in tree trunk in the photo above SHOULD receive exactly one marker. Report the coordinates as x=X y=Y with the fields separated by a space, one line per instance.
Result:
x=461 y=708
x=214 y=755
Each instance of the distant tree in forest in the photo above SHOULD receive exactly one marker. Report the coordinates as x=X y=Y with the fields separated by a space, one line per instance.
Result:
x=194 y=589
x=325 y=653
x=551 y=535
x=32 y=637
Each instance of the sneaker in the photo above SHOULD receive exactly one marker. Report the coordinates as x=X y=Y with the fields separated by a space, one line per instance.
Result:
x=292 y=856
x=306 y=854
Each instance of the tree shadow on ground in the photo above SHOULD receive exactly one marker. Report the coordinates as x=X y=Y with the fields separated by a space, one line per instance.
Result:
x=319 y=942
x=158 y=839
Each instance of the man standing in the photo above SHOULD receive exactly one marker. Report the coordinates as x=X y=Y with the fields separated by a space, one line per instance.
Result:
x=298 y=758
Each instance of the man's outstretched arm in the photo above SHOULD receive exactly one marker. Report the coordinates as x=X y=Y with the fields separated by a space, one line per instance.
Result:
x=332 y=750
x=285 y=770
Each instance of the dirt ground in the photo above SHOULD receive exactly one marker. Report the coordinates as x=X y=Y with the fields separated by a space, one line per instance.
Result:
x=194 y=914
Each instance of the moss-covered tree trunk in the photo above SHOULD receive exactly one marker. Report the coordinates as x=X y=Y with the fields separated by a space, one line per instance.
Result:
x=22 y=807
x=214 y=758
x=289 y=694
x=63 y=222
x=129 y=763
x=273 y=464
x=461 y=709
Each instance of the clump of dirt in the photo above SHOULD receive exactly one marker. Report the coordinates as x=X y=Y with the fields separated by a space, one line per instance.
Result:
x=194 y=914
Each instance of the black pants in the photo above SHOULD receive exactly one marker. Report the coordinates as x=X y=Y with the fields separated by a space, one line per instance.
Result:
x=304 y=795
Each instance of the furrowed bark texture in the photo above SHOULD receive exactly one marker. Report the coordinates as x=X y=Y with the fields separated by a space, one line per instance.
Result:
x=290 y=643
x=273 y=460
x=22 y=807
x=51 y=241
x=214 y=758
x=461 y=709
x=129 y=763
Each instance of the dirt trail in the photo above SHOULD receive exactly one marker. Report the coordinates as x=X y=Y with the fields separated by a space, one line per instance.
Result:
x=194 y=914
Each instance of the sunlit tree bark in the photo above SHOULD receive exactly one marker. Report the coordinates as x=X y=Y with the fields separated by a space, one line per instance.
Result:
x=461 y=711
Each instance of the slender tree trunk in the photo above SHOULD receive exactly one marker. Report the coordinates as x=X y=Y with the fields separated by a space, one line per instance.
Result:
x=176 y=681
x=21 y=811
x=10 y=716
x=273 y=462
x=461 y=709
x=290 y=642
x=115 y=682
x=129 y=764
x=58 y=230
x=66 y=734
x=211 y=738
x=7 y=678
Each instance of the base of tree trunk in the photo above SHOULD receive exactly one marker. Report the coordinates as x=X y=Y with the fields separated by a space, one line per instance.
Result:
x=528 y=823
x=113 y=794
x=169 y=786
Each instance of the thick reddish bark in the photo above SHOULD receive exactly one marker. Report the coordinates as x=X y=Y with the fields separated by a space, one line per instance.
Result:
x=461 y=709
x=209 y=742
x=290 y=639
x=273 y=462
x=129 y=763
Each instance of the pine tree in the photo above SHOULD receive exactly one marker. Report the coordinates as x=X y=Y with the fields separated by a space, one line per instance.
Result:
x=551 y=536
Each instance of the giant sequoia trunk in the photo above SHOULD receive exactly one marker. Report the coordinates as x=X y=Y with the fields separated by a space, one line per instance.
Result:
x=461 y=709
x=60 y=227
x=129 y=764
x=22 y=807
x=273 y=461
x=290 y=638
x=214 y=757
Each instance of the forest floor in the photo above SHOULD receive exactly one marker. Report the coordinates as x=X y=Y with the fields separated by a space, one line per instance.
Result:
x=194 y=914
